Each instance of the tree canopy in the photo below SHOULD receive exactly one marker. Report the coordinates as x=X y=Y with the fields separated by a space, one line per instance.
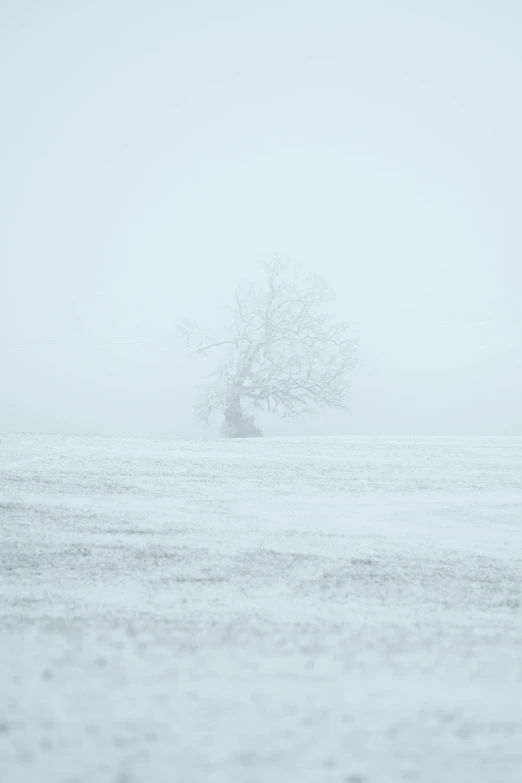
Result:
x=283 y=353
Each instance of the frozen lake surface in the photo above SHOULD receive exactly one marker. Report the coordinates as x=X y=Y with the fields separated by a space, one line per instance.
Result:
x=344 y=610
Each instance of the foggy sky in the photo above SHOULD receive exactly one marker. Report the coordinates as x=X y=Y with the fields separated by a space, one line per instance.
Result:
x=154 y=152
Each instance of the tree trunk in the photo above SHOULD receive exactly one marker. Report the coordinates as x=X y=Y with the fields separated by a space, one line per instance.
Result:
x=236 y=424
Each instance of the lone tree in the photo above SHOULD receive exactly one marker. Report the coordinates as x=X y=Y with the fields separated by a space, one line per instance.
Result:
x=282 y=354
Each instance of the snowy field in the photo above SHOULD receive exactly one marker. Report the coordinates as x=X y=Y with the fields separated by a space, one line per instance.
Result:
x=275 y=610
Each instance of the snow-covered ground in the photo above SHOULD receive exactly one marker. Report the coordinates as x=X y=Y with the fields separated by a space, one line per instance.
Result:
x=310 y=610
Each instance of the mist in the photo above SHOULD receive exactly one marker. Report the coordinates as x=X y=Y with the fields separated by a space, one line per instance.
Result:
x=154 y=153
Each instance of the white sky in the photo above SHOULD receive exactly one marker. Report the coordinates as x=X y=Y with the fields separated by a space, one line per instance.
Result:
x=153 y=152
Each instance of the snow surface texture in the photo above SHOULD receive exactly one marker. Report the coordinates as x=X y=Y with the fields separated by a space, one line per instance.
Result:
x=270 y=610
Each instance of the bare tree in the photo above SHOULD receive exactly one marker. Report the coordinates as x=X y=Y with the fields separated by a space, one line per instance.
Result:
x=282 y=354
